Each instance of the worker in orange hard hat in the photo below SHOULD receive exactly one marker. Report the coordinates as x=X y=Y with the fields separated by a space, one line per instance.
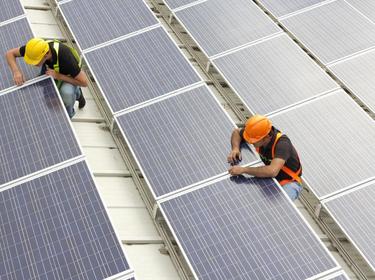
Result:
x=58 y=61
x=276 y=151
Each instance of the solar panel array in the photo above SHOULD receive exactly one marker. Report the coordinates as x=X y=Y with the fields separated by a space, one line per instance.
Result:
x=178 y=133
x=53 y=222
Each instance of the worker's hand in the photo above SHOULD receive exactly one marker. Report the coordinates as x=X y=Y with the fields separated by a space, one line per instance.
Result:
x=236 y=170
x=234 y=156
x=18 y=78
x=52 y=73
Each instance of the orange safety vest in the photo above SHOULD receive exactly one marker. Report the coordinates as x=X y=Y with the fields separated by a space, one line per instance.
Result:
x=295 y=175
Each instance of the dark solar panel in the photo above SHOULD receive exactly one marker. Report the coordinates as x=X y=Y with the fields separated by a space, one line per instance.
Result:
x=245 y=228
x=355 y=214
x=273 y=74
x=334 y=139
x=94 y=22
x=181 y=140
x=140 y=68
x=56 y=227
x=35 y=132
x=218 y=26
x=14 y=35
x=10 y=9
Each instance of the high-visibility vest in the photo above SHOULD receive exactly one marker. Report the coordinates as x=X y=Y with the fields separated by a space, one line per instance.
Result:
x=56 y=66
x=294 y=175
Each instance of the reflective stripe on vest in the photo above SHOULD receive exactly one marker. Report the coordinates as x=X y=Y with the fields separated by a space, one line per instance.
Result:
x=293 y=174
x=56 y=66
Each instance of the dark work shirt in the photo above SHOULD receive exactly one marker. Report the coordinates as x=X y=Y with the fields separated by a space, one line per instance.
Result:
x=284 y=149
x=67 y=62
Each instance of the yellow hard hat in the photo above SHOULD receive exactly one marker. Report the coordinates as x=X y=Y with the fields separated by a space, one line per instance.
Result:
x=256 y=128
x=36 y=49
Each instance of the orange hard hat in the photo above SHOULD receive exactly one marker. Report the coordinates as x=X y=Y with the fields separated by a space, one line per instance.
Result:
x=256 y=128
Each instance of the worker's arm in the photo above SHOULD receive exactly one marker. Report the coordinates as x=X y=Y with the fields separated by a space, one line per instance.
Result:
x=11 y=56
x=235 y=153
x=261 y=171
x=79 y=80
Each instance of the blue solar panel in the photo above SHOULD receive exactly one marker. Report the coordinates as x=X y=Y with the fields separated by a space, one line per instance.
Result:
x=10 y=9
x=14 y=35
x=218 y=26
x=245 y=228
x=355 y=214
x=56 y=227
x=181 y=140
x=35 y=132
x=96 y=21
x=147 y=66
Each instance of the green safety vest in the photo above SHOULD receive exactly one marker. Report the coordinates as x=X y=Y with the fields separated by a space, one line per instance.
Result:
x=56 y=66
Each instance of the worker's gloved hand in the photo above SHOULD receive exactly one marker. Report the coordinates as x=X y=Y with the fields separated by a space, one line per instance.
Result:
x=18 y=78
x=234 y=157
x=235 y=170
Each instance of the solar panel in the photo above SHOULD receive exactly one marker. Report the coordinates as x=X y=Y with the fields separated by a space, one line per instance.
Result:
x=354 y=212
x=334 y=138
x=147 y=66
x=357 y=74
x=14 y=35
x=281 y=8
x=172 y=4
x=10 y=9
x=227 y=24
x=273 y=74
x=56 y=227
x=245 y=228
x=35 y=132
x=367 y=7
x=332 y=31
x=94 y=22
x=180 y=141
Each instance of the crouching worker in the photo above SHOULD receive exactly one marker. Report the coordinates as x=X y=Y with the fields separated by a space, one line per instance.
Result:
x=58 y=61
x=276 y=151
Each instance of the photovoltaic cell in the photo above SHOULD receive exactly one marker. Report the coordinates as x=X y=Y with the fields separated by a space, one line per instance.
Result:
x=56 y=227
x=281 y=8
x=245 y=228
x=357 y=74
x=273 y=74
x=140 y=68
x=367 y=7
x=34 y=131
x=355 y=214
x=14 y=35
x=94 y=22
x=10 y=9
x=181 y=140
x=178 y=3
x=334 y=139
x=227 y=24
x=332 y=31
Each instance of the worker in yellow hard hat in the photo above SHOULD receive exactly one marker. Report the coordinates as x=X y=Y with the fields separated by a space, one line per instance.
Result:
x=58 y=61
x=276 y=151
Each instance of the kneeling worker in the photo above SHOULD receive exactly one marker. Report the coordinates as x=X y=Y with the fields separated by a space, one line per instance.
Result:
x=276 y=151
x=58 y=61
